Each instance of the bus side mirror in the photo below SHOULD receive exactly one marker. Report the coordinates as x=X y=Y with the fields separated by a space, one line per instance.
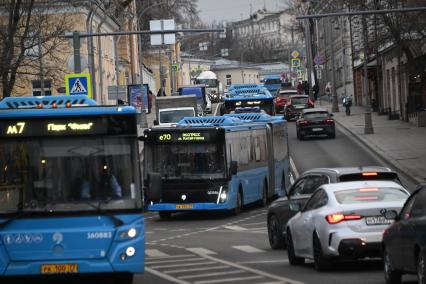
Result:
x=154 y=189
x=155 y=122
x=233 y=168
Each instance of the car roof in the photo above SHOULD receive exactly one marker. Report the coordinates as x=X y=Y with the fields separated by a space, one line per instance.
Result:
x=333 y=187
x=299 y=96
x=288 y=91
x=349 y=170
x=307 y=110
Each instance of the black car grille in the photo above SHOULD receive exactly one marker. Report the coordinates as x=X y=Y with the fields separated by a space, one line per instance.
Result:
x=193 y=192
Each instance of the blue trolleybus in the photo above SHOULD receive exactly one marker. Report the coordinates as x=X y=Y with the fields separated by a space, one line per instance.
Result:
x=216 y=163
x=70 y=189
x=245 y=98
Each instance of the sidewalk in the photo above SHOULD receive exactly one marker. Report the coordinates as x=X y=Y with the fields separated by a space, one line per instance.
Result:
x=400 y=143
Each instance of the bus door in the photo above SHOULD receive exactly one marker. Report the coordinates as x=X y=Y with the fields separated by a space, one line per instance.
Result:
x=271 y=160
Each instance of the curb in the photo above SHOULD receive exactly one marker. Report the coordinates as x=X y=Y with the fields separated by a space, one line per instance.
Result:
x=380 y=154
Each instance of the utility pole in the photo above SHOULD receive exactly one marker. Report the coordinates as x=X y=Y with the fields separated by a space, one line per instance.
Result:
x=40 y=61
x=309 y=55
x=368 y=128
x=335 y=104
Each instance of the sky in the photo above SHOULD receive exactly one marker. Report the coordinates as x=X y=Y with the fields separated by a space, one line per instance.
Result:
x=231 y=10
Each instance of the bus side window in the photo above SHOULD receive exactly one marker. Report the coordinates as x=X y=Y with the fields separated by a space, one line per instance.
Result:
x=257 y=148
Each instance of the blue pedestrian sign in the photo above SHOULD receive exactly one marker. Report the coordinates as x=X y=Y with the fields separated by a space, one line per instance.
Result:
x=78 y=84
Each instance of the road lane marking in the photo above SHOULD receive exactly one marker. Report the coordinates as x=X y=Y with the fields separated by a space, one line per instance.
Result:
x=235 y=228
x=212 y=274
x=253 y=270
x=174 y=260
x=196 y=269
x=183 y=265
x=155 y=253
x=293 y=168
x=264 y=261
x=248 y=249
x=169 y=256
x=200 y=251
x=228 y=280
x=165 y=276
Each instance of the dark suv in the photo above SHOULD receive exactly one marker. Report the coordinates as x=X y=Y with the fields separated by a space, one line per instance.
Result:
x=299 y=192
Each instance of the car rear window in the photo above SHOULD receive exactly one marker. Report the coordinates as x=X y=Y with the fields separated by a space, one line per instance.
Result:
x=311 y=115
x=299 y=100
x=370 y=176
x=284 y=95
x=362 y=195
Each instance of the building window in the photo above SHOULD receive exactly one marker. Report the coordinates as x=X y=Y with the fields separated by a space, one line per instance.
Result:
x=228 y=80
x=37 y=87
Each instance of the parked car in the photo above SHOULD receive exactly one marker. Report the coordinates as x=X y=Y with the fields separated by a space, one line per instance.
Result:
x=342 y=221
x=295 y=104
x=301 y=190
x=282 y=98
x=315 y=122
x=404 y=242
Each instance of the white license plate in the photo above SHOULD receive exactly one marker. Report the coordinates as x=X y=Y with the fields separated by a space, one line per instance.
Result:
x=377 y=220
x=317 y=129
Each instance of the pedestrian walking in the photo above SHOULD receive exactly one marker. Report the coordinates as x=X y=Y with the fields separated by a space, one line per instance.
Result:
x=299 y=88
x=316 y=91
x=328 y=91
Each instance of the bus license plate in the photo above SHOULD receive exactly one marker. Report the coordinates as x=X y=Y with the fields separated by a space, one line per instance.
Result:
x=184 y=206
x=59 y=268
x=377 y=220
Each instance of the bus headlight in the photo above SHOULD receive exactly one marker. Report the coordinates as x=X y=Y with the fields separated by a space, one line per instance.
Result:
x=130 y=251
x=131 y=233
x=223 y=196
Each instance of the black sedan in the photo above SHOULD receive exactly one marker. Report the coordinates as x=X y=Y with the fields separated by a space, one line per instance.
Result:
x=404 y=242
x=314 y=122
x=299 y=192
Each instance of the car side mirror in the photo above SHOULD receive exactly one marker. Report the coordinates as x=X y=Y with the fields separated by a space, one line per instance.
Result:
x=233 y=168
x=295 y=207
x=155 y=185
x=331 y=114
x=391 y=215
x=155 y=122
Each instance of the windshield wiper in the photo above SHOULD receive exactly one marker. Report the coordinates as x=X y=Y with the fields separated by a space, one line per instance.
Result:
x=117 y=221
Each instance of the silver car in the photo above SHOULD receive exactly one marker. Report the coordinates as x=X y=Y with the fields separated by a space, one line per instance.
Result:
x=342 y=221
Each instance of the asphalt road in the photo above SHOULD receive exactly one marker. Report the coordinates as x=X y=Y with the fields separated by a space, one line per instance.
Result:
x=217 y=248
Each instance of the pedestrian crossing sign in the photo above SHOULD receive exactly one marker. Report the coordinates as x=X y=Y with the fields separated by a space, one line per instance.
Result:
x=78 y=84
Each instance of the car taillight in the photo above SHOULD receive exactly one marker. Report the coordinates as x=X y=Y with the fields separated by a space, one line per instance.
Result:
x=369 y=174
x=329 y=121
x=338 y=217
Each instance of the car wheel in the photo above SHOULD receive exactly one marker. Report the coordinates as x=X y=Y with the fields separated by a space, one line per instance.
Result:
x=392 y=276
x=292 y=258
x=332 y=134
x=164 y=214
x=300 y=136
x=421 y=267
x=321 y=263
x=276 y=239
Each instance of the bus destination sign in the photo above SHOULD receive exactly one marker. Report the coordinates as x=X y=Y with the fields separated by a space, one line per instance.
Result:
x=187 y=136
x=96 y=125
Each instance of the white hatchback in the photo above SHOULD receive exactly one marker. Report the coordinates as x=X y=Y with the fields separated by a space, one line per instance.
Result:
x=342 y=221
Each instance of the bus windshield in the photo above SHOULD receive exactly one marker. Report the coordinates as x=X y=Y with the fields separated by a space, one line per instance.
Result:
x=272 y=81
x=211 y=83
x=189 y=160
x=56 y=174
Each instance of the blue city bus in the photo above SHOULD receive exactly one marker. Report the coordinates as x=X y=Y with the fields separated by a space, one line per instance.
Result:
x=215 y=163
x=245 y=98
x=272 y=83
x=70 y=189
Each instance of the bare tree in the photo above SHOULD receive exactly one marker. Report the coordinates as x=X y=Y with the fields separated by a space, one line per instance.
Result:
x=29 y=33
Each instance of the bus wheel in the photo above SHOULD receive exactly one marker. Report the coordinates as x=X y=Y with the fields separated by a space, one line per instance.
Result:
x=124 y=278
x=165 y=214
x=239 y=204
x=264 y=195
